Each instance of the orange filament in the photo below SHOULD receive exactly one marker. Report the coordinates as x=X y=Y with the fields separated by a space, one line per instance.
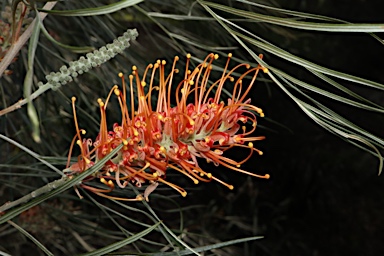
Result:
x=223 y=183
x=175 y=187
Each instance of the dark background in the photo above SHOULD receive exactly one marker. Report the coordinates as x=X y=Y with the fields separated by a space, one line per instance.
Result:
x=324 y=196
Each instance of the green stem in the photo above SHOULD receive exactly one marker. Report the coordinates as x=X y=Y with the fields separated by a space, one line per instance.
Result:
x=40 y=191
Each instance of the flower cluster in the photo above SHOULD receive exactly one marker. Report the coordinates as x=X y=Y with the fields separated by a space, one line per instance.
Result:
x=188 y=121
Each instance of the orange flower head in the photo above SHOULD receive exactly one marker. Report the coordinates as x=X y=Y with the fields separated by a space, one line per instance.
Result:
x=189 y=121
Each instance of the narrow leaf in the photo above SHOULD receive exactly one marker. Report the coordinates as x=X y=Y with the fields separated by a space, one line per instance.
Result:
x=31 y=237
x=288 y=22
x=96 y=10
x=58 y=189
x=210 y=247
x=119 y=244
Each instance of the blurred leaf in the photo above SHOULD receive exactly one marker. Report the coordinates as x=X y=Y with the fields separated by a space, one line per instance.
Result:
x=65 y=184
x=330 y=95
x=76 y=49
x=304 y=15
x=30 y=152
x=32 y=238
x=288 y=22
x=32 y=114
x=96 y=10
x=169 y=231
x=119 y=244
x=209 y=247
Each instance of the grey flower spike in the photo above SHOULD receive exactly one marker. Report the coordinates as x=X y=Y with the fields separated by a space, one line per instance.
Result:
x=91 y=60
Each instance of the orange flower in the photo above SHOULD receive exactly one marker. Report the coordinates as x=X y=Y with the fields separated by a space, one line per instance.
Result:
x=188 y=122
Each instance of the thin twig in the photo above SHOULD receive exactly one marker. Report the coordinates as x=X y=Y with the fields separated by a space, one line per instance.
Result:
x=16 y=47
x=22 y=102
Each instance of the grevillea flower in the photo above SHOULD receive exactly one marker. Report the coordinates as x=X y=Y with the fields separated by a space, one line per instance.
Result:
x=188 y=122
